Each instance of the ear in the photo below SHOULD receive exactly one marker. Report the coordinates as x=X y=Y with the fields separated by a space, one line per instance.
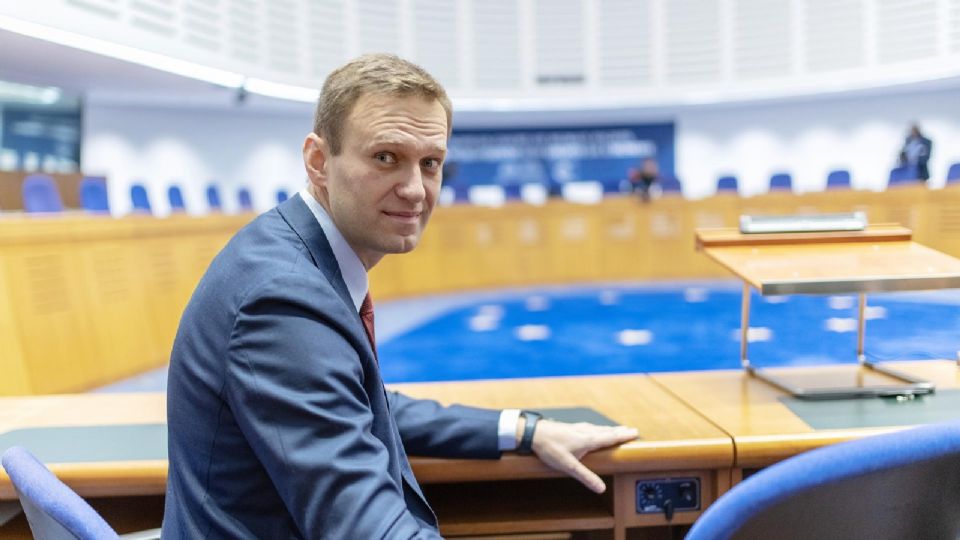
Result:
x=316 y=151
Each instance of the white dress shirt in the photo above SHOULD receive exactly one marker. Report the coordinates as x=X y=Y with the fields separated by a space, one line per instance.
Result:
x=355 y=276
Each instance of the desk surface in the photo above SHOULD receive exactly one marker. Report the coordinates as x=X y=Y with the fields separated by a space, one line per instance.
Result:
x=878 y=259
x=764 y=428
x=672 y=436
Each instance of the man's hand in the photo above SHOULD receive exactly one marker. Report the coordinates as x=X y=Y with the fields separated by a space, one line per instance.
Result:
x=560 y=446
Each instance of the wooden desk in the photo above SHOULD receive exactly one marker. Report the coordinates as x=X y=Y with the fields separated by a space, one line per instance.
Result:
x=516 y=494
x=764 y=429
x=880 y=258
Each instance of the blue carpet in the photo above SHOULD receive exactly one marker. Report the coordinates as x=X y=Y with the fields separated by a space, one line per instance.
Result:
x=600 y=330
x=630 y=328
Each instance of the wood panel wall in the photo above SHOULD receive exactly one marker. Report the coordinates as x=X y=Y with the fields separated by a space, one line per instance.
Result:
x=85 y=301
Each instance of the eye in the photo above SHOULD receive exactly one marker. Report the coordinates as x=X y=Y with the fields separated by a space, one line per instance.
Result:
x=385 y=157
x=432 y=163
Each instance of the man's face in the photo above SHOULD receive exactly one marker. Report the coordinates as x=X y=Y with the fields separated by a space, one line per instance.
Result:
x=382 y=187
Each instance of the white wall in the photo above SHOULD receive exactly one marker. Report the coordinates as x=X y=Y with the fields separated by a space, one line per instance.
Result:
x=194 y=148
x=262 y=150
x=808 y=139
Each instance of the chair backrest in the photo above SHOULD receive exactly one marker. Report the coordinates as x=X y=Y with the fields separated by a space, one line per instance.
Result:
x=53 y=510
x=213 y=198
x=40 y=194
x=903 y=174
x=727 y=183
x=512 y=191
x=93 y=195
x=898 y=485
x=781 y=182
x=175 y=196
x=246 y=202
x=953 y=173
x=670 y=184
x=140 y=199
x=838 y=179
x=282 y=195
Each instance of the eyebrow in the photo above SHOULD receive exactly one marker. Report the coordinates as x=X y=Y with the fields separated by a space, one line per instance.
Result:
x=393 y=141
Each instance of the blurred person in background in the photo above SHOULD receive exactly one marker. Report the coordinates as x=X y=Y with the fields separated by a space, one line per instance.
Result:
x=916 y=152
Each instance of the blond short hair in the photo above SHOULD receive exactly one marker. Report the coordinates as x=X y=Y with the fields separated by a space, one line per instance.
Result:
x=382 y=74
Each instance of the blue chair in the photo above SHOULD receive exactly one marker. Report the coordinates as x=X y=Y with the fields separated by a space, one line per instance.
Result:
x=140 y=199
x=892 y=486
x=670 y=184
x=246 y=202
x=461 y=193
x=213 y=198
x=40 y=194
x=512 y=192
x=53 y=510
x=904 y=174
x=953 y=173
x=282 y=195
x=838 y=179
x=93 y=195
x=727 y=183
x=781 y=182
x=175 y=196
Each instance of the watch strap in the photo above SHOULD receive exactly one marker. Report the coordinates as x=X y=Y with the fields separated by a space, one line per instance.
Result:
x=526 y=440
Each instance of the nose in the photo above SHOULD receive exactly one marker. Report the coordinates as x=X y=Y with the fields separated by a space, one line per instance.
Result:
x=411 y=188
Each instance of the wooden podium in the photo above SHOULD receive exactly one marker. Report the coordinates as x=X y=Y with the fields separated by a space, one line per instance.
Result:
x=880 y=258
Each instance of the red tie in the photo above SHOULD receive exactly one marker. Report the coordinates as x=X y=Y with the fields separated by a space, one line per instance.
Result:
x=366 y=315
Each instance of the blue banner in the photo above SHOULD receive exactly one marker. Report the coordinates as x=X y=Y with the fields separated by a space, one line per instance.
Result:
x=553 y=156
x=42 y=134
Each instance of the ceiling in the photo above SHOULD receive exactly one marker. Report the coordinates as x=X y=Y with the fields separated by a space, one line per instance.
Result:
x=101 y=79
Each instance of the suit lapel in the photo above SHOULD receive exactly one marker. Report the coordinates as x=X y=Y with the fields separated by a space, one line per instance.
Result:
x=294 y=210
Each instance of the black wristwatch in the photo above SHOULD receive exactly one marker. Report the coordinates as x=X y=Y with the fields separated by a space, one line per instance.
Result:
x=526 y=441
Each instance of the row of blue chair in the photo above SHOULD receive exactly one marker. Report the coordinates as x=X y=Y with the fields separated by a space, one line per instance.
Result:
x=840 y=179
x=41 y=195
x=837 y=179
x=891 y=486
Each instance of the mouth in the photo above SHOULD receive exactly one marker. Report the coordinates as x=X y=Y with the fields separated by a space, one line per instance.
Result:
x=404 y=217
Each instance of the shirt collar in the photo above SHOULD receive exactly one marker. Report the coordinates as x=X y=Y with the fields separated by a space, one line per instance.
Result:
x=352 y=270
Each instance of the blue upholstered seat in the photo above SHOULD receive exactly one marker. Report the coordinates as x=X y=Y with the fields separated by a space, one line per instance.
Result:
x=213 y=198
x=40 y=194
x=139 y=199
x=53 y=510
x=894 y=486
x=245 y=200
x=175 y=196
x=838 y=179
x=903 y=174
x=93 y=195
x=670 y=184
x=781 y=182
x=727 y=183
x=953 y=173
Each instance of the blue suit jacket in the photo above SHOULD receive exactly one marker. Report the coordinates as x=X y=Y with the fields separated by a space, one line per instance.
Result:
x=279 y=424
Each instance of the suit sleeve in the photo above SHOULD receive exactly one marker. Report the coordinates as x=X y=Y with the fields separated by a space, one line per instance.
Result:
x=430 y=429
x=295 y=383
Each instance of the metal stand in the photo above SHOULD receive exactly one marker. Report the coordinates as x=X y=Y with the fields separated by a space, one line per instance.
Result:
x=914 y=386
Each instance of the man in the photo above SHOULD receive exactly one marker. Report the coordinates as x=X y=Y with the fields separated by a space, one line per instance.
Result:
x=279 y=424
x=916 y=152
